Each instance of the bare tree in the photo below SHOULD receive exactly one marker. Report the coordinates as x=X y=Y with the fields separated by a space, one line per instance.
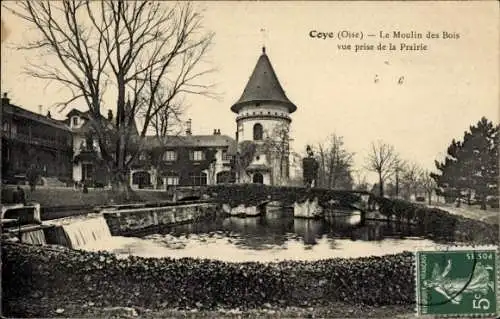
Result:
x=360 y=181
x=296 y=165
x=277 y=147
x=383 y=160
x=428 y=184
x=335 y=163
x=140 y=47
x=410 y=179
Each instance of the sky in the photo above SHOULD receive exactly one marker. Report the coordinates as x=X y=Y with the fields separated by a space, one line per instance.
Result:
x=415 y=100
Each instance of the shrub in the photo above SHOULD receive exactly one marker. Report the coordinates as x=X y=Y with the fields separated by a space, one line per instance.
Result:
x=66 y=276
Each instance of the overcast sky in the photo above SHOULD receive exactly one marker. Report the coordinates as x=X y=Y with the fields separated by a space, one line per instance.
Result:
x=444 y=89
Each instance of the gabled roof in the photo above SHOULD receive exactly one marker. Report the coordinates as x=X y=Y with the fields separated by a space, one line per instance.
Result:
x=87 y=127
x=263 y=86
x=19 y=111
x=77 y=112
x=151 y=142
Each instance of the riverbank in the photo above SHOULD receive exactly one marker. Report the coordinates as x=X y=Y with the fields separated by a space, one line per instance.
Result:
x=52 y=281
x=490 y=215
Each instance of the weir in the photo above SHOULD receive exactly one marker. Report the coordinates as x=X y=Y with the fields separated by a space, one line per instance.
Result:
x=78 y=233
x=86 y=231
x=34 y=237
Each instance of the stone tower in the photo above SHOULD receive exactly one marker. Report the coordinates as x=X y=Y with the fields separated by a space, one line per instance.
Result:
x=263 y=117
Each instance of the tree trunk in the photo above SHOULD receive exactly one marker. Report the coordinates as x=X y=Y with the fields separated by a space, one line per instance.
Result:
x=121 y=187
x=381 y=185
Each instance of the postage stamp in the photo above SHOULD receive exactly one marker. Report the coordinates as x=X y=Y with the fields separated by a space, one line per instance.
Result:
x=459 y=281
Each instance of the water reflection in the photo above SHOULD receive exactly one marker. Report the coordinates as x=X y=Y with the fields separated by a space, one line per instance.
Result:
x=277 y=228
x=273 y=237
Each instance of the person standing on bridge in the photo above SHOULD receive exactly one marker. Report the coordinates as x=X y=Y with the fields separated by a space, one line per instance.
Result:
x=310 y=168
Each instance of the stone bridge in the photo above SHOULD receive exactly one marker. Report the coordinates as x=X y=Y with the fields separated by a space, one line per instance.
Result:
x=300 y=198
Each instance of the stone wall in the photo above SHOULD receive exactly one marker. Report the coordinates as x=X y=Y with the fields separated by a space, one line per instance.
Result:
x=130 y=221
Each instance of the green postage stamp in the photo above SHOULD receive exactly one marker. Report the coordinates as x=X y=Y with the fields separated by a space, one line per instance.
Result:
x=459 y=281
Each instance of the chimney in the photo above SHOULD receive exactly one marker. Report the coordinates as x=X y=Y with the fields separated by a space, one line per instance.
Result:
x=5 y=99
x=188 y=130
x=218 y=131
x=40 y=109
x=49 y=115
x=215 y=132
x=110 y=115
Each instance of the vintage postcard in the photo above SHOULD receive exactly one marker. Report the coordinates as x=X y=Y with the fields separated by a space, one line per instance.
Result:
x=249 y=159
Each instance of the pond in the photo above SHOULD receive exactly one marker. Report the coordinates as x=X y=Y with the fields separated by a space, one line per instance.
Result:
x=276 y=236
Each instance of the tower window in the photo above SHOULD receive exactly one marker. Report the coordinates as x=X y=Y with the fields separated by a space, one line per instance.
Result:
x=257 y=104
x=257 y=132
x=269 y=113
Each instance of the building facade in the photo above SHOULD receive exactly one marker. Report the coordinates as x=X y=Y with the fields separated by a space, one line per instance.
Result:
x=34 y=141
x=88 y=166
x=263 y=118
x=187 y=160
x=184 y=160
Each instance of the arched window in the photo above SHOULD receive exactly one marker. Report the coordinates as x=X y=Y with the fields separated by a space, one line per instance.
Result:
x=258 y=178
x=225 y=177
x=257 y=132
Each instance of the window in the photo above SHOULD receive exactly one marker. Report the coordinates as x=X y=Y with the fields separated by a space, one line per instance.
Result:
x=170 y=156
x=5 y=127
x=225 y=156
x=13 y=129
x=74 y=120
x=225 y=177
x=197 y=155
x=257 y=132
x=198 y=179
x=172 y=180
x=258 y=178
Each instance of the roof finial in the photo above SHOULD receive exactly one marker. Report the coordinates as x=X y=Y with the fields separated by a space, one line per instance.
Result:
x=263 y=32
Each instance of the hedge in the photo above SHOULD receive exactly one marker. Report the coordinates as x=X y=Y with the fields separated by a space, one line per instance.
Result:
x=66 y=276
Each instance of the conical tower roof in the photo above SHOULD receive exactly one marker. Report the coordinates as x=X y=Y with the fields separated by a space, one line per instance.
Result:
x=263 y=86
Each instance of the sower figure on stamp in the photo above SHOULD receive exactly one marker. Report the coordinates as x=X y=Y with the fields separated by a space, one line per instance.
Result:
x=453 y=289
